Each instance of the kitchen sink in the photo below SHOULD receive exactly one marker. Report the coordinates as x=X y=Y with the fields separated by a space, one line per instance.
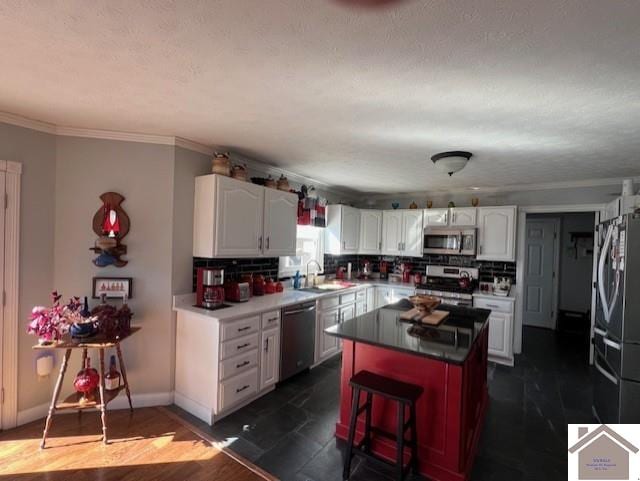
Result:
x=328 y=287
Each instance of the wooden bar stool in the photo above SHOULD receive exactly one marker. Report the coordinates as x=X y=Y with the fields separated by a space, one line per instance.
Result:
x=406 y=395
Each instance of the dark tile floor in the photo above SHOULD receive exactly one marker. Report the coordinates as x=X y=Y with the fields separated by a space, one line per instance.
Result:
x=289 y=432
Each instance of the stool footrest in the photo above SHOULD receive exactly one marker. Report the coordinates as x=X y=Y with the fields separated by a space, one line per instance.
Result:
x=378 y=459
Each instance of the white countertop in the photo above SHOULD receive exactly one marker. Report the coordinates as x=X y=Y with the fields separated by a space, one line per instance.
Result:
x=272 y=302
x=490 y=295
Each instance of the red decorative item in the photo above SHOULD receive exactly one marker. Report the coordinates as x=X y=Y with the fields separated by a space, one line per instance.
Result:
x=87 y=381
x=269 y=287
x=279 y=287
x=111 y=224
x=258 y=285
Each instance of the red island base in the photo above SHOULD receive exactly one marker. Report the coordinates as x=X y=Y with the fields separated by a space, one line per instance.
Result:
x=450 y=413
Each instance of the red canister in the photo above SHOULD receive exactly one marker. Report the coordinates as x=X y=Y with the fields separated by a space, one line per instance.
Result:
x=417 y=278
x=258 y=285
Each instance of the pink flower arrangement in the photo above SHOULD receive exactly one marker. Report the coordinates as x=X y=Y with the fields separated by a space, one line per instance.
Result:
x=51 y=323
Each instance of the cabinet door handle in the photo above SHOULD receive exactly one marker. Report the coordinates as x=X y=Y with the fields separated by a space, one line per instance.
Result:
x=266 y=345
x=242 y=346
x=379 y=245
x=399 y=246
x=243 y=388
x=259 y=242
x=493 y=306
x=344 y=245
x=242 y=364
x=267 y=243
x=273 y=319
x=245 y=328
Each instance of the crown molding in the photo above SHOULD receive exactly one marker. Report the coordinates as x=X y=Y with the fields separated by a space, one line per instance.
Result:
x=65 y=131
x=571 y=184
x=166 y=140
x=25 y=122
x=194 y=146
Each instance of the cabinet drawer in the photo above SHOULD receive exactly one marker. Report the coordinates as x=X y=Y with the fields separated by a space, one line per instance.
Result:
x=237 y=364
x=497 y=305
x=231 y=330
x=347 y=298
x=237 y=388
x=270 y=319
x=238 y=346
x=361 y=295
x=329 y=302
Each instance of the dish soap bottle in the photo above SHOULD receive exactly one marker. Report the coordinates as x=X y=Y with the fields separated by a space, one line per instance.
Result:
x=112 y=378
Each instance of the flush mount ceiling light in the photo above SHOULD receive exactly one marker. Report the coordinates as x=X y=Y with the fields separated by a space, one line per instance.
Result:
x=451 y=162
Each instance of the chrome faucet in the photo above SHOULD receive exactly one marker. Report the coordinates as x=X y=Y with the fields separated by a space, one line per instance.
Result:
x=306 y=279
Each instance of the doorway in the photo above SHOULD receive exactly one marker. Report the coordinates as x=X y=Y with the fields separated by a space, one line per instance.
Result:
x=557 y=278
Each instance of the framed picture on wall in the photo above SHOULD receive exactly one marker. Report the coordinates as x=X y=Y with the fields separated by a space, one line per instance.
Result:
x=112 y=287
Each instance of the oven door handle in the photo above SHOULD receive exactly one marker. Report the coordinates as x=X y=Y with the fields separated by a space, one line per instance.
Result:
x=599 y=331
x=602 y=371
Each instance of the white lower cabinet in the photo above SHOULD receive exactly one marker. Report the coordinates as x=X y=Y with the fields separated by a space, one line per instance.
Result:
x=221 y=366
x=326 y=346
x=236 y=389
x=269 y=358
x=500 y=328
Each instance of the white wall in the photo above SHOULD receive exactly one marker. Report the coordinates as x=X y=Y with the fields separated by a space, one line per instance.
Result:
x=36 y=151
x=143 y=174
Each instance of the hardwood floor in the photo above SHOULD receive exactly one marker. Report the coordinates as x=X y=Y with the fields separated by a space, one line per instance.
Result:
x=148 y=444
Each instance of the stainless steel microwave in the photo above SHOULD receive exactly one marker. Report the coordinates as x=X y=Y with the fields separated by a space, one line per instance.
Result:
x=444 y=240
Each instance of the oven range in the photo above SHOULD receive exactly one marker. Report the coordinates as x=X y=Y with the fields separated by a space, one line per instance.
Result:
x=450 y=284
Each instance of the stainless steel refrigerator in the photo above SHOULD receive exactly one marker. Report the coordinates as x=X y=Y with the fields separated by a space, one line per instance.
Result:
x=617 y=329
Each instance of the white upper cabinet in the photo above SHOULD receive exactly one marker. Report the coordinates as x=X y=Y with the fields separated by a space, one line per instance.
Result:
x=412 y=232
x=436 y=217
x=392 y=232
x=370 y=232
x=497 y=233
x=454 y=217
x=342 y=235
x=280 y=221
x=402 y=233
x=231 y=219
x=463 y=216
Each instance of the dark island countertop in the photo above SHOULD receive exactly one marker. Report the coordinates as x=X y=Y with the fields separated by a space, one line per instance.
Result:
x=451 y=341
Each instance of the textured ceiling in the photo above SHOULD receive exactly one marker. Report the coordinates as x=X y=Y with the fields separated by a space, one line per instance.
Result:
x=538 y=90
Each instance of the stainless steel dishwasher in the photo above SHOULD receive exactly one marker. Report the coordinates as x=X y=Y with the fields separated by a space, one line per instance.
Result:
x=298 y=338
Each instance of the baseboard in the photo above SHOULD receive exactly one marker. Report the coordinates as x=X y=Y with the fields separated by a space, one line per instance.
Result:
x=138 y=400
x=198 y=410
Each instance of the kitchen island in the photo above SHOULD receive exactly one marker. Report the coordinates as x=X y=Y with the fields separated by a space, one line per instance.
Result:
x=449 y=362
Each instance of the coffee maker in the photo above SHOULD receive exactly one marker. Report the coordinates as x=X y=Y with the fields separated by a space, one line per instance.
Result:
x=209 y=288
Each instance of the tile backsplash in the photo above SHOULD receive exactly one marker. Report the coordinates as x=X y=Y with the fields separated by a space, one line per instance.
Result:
x=267 y=266
x=488 y=269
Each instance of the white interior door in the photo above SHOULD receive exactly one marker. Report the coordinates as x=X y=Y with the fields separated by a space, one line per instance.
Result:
x=3 y=176
x=539 y=274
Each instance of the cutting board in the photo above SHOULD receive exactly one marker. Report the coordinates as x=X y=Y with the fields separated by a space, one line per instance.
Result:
x=433 y=319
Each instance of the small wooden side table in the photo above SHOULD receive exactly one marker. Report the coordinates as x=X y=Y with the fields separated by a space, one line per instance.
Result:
x=72 y=401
